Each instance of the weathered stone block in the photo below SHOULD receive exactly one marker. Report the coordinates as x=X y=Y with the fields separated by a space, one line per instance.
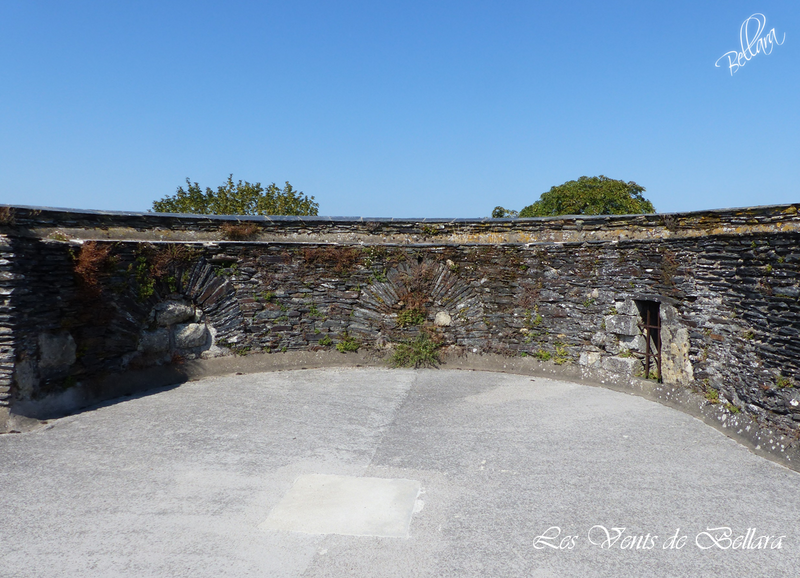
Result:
x=442 y=319
x=26 y=378
x=190 y=335
x=590 y=358
x=627 y=307
x=790 y=291
x=622 y=324
x=622 y=365
x=154 y=341
x=250 y=307
x=548 y=295
x=550 y=273
x=632 y=342
x=56 y=351
x=675 y=365
x=669 y=315
x=173 y=312
x=270 y=314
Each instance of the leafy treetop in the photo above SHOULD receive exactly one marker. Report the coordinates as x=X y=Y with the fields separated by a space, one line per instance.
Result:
x=237 y=199
x=503 y=213
x=586 y=196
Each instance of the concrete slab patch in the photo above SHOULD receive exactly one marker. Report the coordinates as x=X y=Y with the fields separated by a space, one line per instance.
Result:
x=330 y=504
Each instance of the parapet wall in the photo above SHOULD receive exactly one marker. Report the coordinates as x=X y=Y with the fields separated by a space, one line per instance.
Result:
x=44 y=223
x=88 y=295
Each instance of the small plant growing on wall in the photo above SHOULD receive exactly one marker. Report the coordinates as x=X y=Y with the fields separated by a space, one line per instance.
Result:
x=232 y=269
x=58 y=236
x=421 y=351
x=347 y=344
x=169 y=257
x=416 y=285
x=429 y=231
x=160 y=264
x=379 y=276
x=410 y=317
x=533 y=318
x=6 y=216
x=342 y=260
x=669 y=267
x=90 y=261
x=239 y=231
x=145 y=283
x=562 y=356
x=374 y=255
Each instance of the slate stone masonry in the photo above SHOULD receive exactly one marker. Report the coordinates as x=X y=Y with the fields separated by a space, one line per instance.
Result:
x=726 y=285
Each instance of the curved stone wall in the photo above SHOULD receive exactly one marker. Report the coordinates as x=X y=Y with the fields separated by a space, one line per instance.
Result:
x=87 y=295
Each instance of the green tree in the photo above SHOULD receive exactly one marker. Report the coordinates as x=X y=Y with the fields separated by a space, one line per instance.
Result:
x=591 y=196
x=237 y=199
x=502 y=213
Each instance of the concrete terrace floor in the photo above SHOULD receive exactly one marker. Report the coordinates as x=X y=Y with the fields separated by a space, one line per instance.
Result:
x=181 y=482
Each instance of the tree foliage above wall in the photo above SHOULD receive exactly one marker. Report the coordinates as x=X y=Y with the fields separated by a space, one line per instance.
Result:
x=591 y=196
x=586 y=196
x=240 y=198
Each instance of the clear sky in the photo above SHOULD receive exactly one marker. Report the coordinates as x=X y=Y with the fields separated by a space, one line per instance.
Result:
x=396 y=109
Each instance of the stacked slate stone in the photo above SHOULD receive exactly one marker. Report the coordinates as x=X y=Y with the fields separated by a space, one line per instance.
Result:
x=727 y=284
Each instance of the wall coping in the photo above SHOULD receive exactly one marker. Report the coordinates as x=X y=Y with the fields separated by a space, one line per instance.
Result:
x=732 y=211
x=82 y=224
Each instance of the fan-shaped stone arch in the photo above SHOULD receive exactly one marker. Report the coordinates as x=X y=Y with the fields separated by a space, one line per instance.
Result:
x=200 y=315
x=428 y=286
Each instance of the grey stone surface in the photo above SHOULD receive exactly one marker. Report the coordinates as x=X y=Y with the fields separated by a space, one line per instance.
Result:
x=632 y=342
x=622 y=365
x=590 y=358
x=622 y=324
x=676 y=367
x=270 y=314
x=156 y=341
x=190 y=335
x=177 y=483
x=443 y=319
x=56 y=351
x=172 y=312
x=627 y=307
x=26 y=378
x=599 y=338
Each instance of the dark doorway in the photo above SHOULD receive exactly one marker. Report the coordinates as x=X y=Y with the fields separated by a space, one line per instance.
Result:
x=650 y=326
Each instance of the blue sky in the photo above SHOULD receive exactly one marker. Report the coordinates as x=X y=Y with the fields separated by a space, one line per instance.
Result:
x=396 y=109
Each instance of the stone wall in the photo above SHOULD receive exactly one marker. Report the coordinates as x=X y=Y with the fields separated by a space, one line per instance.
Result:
x=87 y=295
x=7 y=287
x=57 y=223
